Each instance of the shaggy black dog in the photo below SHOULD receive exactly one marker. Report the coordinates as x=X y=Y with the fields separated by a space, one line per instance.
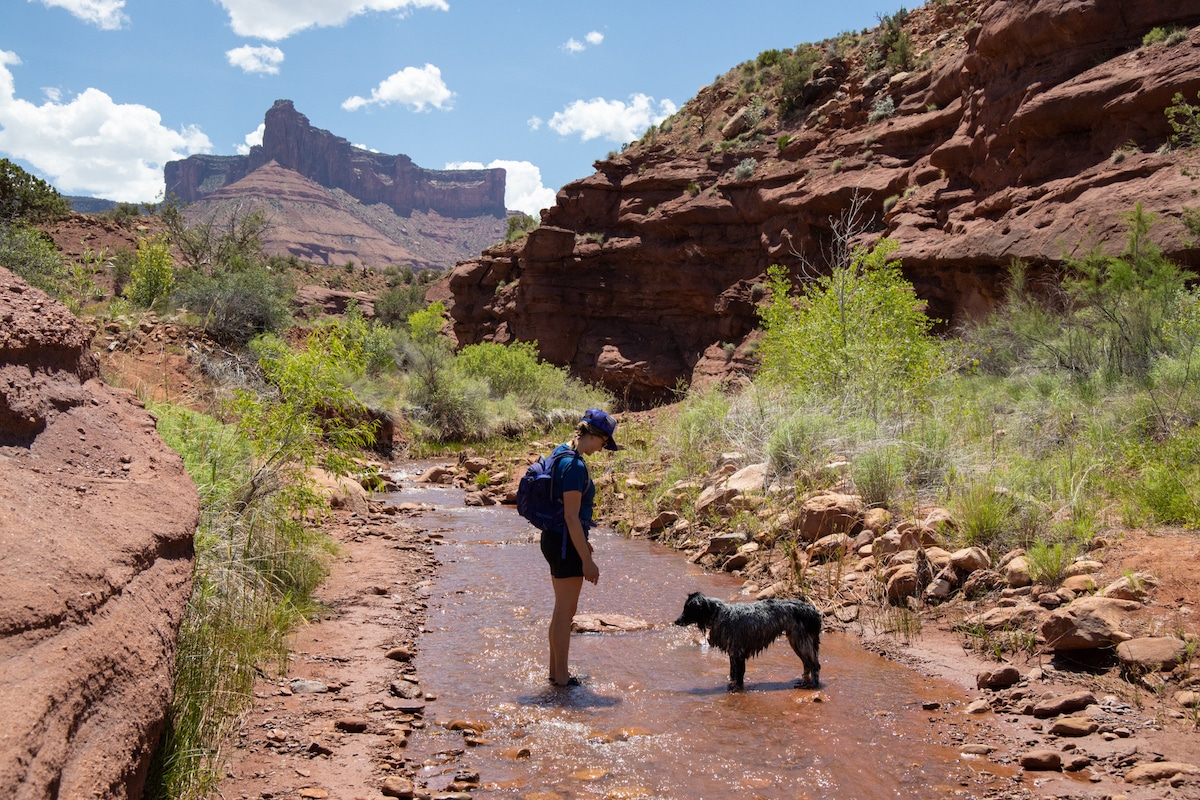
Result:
x=743 y=630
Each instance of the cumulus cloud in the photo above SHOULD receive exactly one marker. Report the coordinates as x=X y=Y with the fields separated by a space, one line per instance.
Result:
x=104 y=14
x=91 y=145
x=253 y=138
x=573 y=45
x=278 y=19
x=523 y=189
x=410 y=86
x=612 y=119
x=263 y=58
x=535 y=123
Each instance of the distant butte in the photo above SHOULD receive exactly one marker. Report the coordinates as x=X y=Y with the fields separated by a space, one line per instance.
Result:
x=331 y=161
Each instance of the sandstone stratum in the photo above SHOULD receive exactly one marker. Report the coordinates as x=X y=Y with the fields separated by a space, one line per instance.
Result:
x=330 y=202
x=96 y=524
x=1022 y=131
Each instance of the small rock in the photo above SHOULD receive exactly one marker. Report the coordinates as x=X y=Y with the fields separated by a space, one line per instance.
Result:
x=998 y=678
x=318 y=749
x=303 y=686
x=400 y=654
x=397 y=786
x=1041 y=760
x=1073 y=726
x=979 y=707
x=351 y=725
x=1063 y=704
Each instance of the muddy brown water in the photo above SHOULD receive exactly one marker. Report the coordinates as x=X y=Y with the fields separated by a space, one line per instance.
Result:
x=653 y=718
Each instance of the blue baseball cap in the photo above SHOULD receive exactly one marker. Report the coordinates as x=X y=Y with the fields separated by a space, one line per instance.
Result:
x=604 y=423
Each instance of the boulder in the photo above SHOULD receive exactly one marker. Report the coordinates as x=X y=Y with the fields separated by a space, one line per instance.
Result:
x=1063 y=704
x=1087 y=623
x=95 y=563
x=1155 y=771
x=970 y=559
x=1151 y=654
x=828 y=513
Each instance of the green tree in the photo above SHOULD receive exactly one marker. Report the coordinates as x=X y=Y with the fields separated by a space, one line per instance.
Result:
x=25 y=197
x=858 y=335
x=1126 y=301
x=518 y=226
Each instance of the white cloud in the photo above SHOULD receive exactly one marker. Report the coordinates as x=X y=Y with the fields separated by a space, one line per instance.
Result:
x=253 y=138
x=523 y=189
x=535 y=123
x=91 y=145
x=612 y=119
x=573 y=45
x=410 y=86
x=278 y=19
x=263 y=58
x=104 y=14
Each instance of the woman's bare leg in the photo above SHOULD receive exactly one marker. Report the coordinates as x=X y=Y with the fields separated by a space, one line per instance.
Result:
x=566 y=600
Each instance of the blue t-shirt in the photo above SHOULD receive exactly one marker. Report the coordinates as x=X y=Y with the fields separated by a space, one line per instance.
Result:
x=571 y=475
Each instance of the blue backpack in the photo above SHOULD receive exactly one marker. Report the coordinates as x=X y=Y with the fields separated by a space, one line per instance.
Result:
x=536 y=498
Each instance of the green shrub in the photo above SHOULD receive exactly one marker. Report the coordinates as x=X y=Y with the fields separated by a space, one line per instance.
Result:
x=1184 y=119
x=32 y=256
x=518 y=226
x=985 y=515
x=878 y=475
x=745 y=169
x=153 y=275
x=859 y=335
x=236 y=305
x=882 y=108
x=799 y=442
x=1048 y=561
x=797 y=70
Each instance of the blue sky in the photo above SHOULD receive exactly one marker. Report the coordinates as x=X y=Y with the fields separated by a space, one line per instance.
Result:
x=97 y=95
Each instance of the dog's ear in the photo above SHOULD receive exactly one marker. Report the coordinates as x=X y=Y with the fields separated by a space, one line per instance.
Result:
x=694 y=595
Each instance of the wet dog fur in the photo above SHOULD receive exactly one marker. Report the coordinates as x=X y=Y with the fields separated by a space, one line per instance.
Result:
x=743 y=630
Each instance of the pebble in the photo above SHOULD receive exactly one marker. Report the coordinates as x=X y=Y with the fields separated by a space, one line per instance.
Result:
x=397 y=786
x=351 y=725
x=308 y=687
x=1041 y=760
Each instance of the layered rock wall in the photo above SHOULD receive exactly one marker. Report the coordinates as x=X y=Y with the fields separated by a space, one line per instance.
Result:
x=332 y=162
x=96 y=524
x=1029 y=132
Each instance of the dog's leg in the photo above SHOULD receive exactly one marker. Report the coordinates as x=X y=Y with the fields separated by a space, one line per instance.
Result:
x=802 y=645
x=737 y=673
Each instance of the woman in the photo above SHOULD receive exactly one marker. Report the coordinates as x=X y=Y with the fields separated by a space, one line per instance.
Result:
x=568 y=551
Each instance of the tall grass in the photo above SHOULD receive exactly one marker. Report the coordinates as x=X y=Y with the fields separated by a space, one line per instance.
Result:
x=256 y=568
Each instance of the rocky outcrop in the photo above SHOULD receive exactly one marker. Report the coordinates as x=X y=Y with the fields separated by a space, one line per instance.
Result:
x=331 y=161
x=1024 y=131
x=96 y=526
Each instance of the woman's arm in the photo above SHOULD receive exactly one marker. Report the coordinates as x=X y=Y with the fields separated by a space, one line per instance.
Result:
x=571 y=502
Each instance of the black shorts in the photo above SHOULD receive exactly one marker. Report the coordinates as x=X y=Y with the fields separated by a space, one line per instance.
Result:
x=570 y=566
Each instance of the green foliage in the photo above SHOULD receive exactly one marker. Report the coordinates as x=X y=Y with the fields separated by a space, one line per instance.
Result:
x=236 y=305
x=882 y=108
x=1125 y=301
x=1171 y=36
x=256 y=568
x=234 y=244
x=396 y=304
x=24 y=197
x=516 y=369
x=153 y=274
x=796 y=69
x=985 y=516
x=768 y=58
x=878 y=474
x=745 y=169
x=799 y=441
x=518 y=226
x=1168 y=480
x=858 y=335
x=1048 y=561
x=1184 y=119
x=32 y=256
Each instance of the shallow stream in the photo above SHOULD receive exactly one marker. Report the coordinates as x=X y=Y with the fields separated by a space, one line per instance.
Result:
x=653 y=718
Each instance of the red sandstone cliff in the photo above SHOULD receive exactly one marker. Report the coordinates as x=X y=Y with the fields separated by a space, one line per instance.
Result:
x=1026 y=132
x=96 y=524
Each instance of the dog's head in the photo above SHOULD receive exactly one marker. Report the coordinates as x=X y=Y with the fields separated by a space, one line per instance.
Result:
x=697 y=610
